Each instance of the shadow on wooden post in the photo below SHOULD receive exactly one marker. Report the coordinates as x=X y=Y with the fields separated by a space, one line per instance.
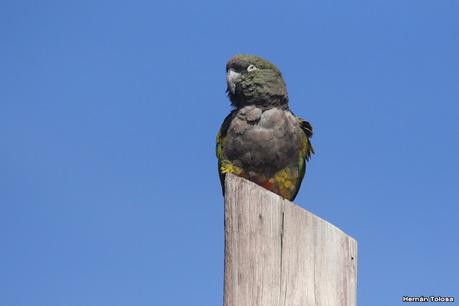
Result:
x=278 y=254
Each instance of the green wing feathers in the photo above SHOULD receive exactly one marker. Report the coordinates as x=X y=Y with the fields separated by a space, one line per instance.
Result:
x=306 y=151
x=219 y=148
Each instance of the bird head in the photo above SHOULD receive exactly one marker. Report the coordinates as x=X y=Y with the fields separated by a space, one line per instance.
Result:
x=253 y=80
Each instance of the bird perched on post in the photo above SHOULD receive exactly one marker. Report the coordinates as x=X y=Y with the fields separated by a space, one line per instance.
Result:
x=261 y=139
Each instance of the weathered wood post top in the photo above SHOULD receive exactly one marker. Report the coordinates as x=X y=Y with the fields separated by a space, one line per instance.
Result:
x=278 y=254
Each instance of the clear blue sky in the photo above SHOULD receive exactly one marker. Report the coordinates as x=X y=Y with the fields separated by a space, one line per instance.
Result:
x=109 y=194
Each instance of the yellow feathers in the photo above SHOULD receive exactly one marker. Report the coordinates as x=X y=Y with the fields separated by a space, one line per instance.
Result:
x=227 y=167
x=286 y=180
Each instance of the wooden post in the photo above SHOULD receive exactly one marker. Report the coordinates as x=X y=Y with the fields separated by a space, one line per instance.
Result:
x=278 y=254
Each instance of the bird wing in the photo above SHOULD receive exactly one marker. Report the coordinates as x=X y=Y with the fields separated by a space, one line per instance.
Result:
x=220 y=143
x=306 y=151
x=306 y=127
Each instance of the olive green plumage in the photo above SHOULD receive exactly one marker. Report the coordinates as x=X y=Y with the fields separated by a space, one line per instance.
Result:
x=261 y=139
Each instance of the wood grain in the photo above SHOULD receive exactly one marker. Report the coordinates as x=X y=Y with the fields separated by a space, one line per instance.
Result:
x=278 y=254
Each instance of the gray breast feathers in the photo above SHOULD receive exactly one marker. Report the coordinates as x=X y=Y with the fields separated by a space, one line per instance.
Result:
x=264 y=141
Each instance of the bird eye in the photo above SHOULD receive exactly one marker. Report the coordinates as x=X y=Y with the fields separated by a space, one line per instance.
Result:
x=251 y=68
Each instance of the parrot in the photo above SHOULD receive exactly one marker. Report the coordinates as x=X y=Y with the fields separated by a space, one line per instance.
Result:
x=261 y=139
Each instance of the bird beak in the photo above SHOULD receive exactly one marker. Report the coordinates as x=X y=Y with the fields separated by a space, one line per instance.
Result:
x=231 y=78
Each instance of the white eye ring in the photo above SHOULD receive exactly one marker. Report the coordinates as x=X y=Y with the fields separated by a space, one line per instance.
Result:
x=251 y=68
